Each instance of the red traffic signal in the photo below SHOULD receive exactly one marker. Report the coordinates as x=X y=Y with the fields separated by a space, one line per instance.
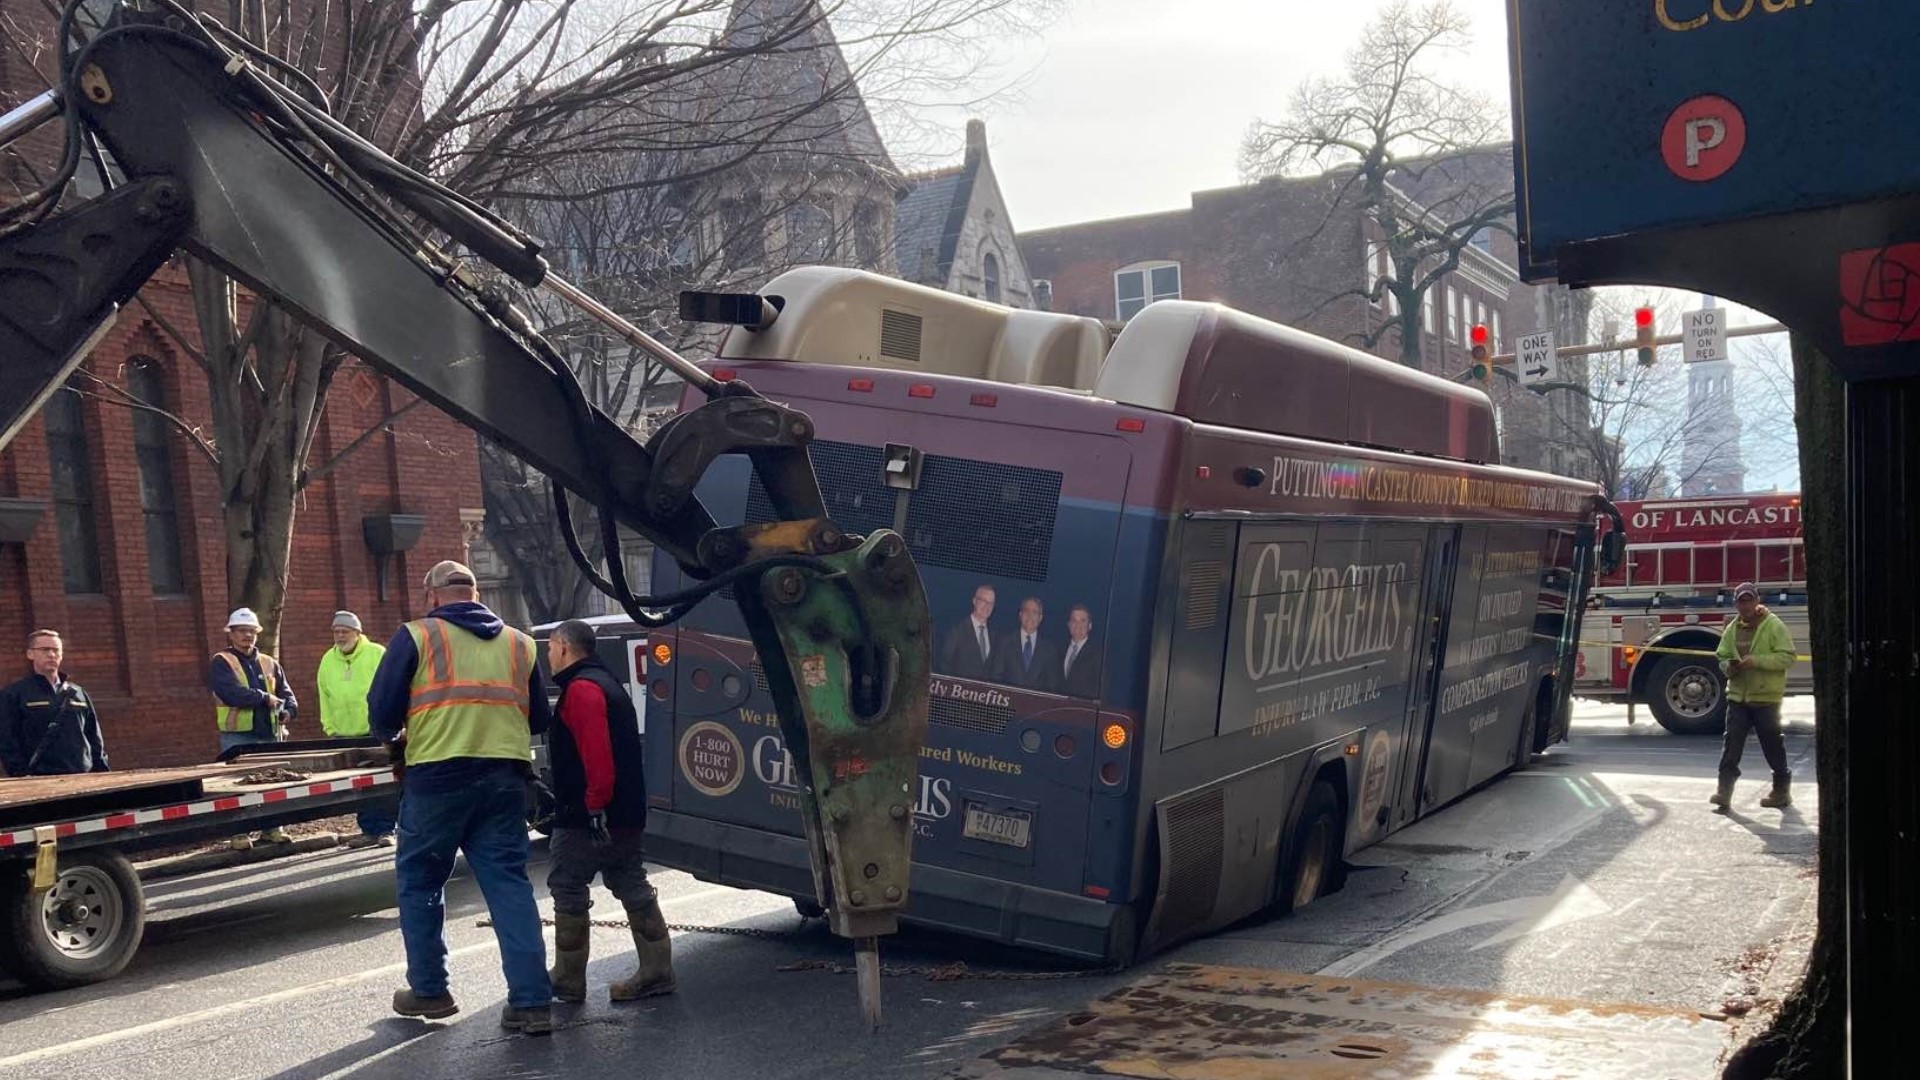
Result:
x=1643 y=334
x=1643 y=318
x=1482 y=358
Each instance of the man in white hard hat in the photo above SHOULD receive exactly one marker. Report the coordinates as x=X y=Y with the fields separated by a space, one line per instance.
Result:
x=252 y=700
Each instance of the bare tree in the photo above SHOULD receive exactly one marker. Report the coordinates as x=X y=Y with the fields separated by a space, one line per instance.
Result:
x=1415 y=156
x=488 y=96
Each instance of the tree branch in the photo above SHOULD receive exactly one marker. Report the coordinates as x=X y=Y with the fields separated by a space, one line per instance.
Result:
x=385 y=423
x=114 y=395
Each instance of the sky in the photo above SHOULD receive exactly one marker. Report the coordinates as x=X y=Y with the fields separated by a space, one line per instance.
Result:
x=1129 y=106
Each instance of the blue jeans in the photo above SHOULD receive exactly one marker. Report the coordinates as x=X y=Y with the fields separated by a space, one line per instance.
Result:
x=486 y=820
x=375 y=823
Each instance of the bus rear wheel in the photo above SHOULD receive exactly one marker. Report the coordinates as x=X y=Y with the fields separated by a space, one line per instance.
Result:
x=1315 y=867
x=1687 y=695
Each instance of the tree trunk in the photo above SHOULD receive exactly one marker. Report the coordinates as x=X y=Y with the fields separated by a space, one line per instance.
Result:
x=1807 y=1039
x=266 y=397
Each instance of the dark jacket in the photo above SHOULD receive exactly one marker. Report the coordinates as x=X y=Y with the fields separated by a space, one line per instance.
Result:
x=960 y=654
x=596 y=750
x=393 y=687
x=59 y=725
x=1012 y=667
x=229 y=690
x=1083 y=678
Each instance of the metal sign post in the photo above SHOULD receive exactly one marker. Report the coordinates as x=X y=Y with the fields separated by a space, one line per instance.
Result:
x=1764 y=152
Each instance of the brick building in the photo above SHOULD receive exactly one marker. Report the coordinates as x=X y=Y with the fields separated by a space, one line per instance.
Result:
x=112 y=529
x=1290 y=250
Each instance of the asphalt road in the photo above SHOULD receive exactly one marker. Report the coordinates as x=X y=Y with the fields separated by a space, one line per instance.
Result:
x=1598 y=875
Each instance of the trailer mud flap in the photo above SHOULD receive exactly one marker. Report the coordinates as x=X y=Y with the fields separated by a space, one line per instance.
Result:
x=46 y=858
x=1195 y=1021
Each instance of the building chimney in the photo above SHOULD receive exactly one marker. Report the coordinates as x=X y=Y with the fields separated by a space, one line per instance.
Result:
x=976 y=142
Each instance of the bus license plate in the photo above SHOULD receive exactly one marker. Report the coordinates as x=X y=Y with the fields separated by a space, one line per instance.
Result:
x=1011 y=828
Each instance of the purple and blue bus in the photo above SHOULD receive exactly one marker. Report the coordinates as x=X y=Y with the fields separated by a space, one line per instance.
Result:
x=1218 y=603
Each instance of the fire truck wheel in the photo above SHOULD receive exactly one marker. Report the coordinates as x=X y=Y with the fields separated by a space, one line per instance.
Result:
x=83 y=930
x=1688 y=696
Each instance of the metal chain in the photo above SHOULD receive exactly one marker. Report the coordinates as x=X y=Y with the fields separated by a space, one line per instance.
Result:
x=953 y=972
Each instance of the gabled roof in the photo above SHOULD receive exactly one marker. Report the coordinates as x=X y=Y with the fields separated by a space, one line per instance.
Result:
x=803 y=64
x=928 y=221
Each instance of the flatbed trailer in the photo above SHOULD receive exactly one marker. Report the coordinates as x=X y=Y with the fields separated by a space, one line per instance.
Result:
x=72 y=909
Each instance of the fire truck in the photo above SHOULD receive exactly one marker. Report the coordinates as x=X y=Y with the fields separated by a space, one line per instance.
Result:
x=1657 y=618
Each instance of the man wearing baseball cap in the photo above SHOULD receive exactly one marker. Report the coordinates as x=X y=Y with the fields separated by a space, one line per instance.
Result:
x=461 y=692
x=1755 y=652
x=345 y=676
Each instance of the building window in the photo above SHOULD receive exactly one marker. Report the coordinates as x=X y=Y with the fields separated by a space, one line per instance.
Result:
x=1373 y=271
x=990 y=276
x=1497 y=339
x=153 y=450
x=1426 y=310
x=866 y=236
x=1454 y=304
x=1483 y=239
x=1139 y=285
x=72 y=492
x=809 y=234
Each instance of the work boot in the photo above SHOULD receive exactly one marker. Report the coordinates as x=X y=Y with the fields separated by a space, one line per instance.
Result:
x=572 y=937
x=653 y=948
x=1779 y=797
x=408 y=1003
x=1722 y=796
x=278 y=836
x=533 y=1020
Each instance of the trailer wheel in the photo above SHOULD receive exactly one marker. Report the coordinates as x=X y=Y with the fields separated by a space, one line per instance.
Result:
x=1688 y=695
x=1315 y=867
x=83 y=930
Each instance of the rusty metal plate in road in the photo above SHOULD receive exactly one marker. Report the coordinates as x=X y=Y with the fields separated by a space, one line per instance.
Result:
x=1193 y=1022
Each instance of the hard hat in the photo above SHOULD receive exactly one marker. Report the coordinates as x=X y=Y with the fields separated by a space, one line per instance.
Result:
x=243 y=617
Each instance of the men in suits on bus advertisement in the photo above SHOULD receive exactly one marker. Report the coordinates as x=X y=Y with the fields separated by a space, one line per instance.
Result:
x=1028 y=660
x=970 y=649
x=1080 y=662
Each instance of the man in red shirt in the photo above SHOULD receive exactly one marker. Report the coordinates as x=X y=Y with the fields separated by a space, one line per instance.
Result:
x=597 y=826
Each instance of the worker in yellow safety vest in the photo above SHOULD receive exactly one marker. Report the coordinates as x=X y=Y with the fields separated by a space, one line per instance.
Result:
x=461 y=693
x=252 y=700
x=342 y=681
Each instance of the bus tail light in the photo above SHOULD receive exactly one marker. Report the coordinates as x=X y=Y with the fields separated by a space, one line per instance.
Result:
x=723 y=374
x=920 y=390
x=662 y=653
x=864 y=386
x=1110 y=772
x=985 y=401
x=1130 y=423
x=1064 y=745
x=1114 y=736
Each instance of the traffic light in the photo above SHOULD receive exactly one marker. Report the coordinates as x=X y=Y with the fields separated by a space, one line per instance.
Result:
x=1643 y=334
x=1482 y=358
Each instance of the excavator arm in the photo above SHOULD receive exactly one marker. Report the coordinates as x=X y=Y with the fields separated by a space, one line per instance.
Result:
x=212 y=154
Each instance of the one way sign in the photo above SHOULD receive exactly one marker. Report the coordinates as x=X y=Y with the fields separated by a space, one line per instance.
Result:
x=1536 y=358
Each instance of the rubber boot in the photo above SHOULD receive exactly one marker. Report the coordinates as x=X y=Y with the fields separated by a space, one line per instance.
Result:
x=653 y=948
x=1722 y=796
x=533 y=1020
x=1779 y=798
x=572 y=938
